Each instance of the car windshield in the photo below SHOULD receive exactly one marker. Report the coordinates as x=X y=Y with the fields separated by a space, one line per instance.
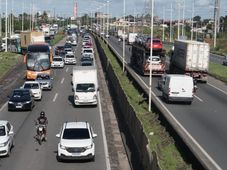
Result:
x=31 y=86
x=76 y=133
x=85 y=87
x=42 y=77
x=57 y=59
x=38 y=61
x=2 y=131
x=87 y=51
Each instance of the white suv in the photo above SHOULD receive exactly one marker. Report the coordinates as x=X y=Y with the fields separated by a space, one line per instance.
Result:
x=6 y=138
x=76 y=141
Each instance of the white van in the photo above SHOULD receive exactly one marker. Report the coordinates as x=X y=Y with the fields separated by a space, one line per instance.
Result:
x=177 y=87
x=85 y=85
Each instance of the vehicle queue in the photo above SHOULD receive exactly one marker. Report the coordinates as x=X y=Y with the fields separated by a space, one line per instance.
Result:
x=80 y=134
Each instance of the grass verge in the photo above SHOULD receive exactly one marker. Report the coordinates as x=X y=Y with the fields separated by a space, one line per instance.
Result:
x=7 y=61
x=58 y=37
x=160 y=142
x=218 y=71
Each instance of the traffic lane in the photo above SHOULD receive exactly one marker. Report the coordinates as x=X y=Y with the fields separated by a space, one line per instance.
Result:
x=201 y=108
x=47 y=107
x=58 y=111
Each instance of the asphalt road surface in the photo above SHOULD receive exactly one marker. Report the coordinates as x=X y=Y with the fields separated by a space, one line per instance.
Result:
x=205 y=119
x=58 y=105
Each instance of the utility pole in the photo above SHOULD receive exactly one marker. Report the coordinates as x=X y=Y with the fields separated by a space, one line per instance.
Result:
x=182 y=34
x=192 y=20
x=178 y=23
x=216 y=20
x=0 y=18
x=124 y=38
x=163 y=27
x=22 y=24
x=151 y=54
x=171 y=18
x=6 y=27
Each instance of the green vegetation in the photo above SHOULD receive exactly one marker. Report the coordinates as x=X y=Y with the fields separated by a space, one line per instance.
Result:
x=7 y=61
x=58 y=37
x=218 y=71
x=160 y=142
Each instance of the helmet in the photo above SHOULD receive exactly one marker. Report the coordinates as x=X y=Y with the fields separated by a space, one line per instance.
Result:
x=42 y=114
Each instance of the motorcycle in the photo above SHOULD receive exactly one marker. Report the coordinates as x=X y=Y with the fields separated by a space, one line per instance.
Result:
x=40 y=136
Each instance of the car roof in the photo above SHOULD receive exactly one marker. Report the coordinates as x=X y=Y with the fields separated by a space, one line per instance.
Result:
x=31 y=82
x=76 y=125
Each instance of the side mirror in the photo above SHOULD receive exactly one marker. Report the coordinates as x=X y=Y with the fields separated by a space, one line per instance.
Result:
x=98 y=89
x=94 y=135
x=58 y=135
x=11 y=132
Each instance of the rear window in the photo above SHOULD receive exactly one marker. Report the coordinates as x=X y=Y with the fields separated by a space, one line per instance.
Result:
x=69 y=56
x=157 y=41
x=87 y=51
x=76 y=133
x=31 y=86
x=57 y=59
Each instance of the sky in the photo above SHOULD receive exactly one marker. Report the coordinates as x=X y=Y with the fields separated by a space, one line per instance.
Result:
x=162 y=8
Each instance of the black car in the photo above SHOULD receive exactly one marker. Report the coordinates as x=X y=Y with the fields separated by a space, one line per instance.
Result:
x=21 y=99
x=59 y=50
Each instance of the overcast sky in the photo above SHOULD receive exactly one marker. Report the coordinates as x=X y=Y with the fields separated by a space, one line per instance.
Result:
x=203 y=8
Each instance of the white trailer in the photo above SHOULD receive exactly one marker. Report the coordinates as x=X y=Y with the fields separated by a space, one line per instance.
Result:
x=131 y=38
x=190 y=58
x=85 y=85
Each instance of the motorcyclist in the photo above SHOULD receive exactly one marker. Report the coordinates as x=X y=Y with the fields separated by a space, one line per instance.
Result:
x=42 y=120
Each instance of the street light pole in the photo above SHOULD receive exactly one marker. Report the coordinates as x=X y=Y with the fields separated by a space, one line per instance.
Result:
x=178 y=24
x=124 y=39
x=163 y=28
x=171 y=18
x=193 y=6
x=6 y=27
x=151 y=54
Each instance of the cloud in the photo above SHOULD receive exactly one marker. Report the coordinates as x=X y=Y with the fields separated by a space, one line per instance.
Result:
x=202 y=2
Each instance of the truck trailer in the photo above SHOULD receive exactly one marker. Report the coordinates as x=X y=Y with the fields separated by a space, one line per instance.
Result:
x=190 y=58
x=140 y=61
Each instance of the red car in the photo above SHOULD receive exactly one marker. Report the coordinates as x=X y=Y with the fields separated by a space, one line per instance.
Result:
x=157 y=44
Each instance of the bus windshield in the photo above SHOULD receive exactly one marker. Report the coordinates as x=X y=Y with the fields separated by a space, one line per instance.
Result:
x=38 y=61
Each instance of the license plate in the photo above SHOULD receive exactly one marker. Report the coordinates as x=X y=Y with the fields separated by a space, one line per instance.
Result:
x=18 y=107
x=75 y=154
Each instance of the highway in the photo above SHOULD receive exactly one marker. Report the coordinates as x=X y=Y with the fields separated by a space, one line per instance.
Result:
x=204 y=120
x=58 y=105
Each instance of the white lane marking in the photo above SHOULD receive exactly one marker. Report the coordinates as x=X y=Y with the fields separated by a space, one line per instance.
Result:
x=185 y=131
x=3 y=106
x=104 y=136
x=198 y=98
x=62 y=80
x=55 y=97
x=217 y=88
x=67 y=69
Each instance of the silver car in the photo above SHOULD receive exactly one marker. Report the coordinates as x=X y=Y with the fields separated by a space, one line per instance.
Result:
x=45 y=81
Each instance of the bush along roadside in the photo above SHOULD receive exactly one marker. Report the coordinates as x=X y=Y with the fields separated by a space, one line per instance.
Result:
x=218 y=71
x=159 y=140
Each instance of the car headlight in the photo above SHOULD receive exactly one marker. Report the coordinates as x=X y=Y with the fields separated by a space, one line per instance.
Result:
x=11 y=102
x=4 y=144
x=28 y=102
x=89 y=147
x=62 y=147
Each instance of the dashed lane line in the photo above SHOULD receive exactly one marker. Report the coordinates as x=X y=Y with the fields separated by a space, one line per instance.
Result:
x=55 y=97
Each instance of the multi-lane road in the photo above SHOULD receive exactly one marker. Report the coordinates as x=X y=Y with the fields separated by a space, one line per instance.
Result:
x=205 y=120
x=58 y=105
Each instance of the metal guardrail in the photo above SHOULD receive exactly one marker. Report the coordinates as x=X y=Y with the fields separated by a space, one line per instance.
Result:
x=189 y=141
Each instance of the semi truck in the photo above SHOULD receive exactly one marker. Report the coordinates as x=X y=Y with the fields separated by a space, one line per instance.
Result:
x=29 y=37
x=190 y=58
x=142 y=62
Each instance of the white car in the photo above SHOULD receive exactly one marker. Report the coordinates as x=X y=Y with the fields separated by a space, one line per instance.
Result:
x=70 y=58
x=6 y=138
x=35 y=88
x=76 y=142
x=57 y=62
